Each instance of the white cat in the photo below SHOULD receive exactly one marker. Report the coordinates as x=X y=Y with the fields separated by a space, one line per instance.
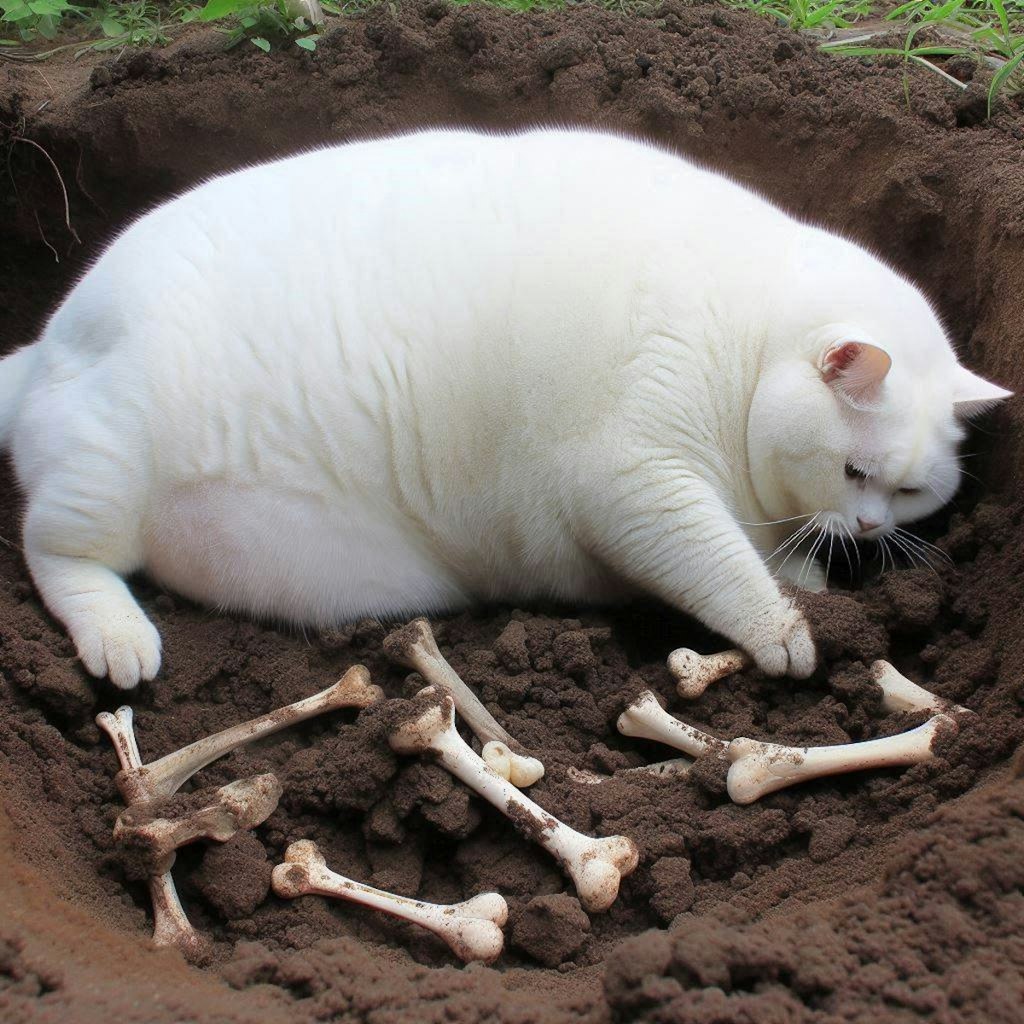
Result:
x=399 y=376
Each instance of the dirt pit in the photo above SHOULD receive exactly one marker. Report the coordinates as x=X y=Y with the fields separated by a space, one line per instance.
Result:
x=893 y=895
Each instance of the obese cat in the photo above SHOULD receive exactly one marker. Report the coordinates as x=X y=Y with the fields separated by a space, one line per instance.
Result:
x=403 y=375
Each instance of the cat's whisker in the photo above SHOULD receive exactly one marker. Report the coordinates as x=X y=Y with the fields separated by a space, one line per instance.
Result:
x=854 y=544
x=796 y=536
x=828 y=563
x=920 y=541
x=796 y=540
x=808 y=562
x=912 y=558
x=788 y=519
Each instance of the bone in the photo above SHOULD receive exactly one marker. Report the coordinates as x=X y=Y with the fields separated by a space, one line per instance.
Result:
x=676 y=767
x=235 y=807
x=170 y=925
x=646 y=719
x=473 y=929
x=694 y=672
x=596 y=866
x=164 y=777
x=414 y=647
x=902 y=694
x=761 y=768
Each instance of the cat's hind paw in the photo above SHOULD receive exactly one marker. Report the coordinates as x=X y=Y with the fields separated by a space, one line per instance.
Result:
x=122 y=644
x=792 y=652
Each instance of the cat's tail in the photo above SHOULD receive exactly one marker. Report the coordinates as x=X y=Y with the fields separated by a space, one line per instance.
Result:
x=16 y=372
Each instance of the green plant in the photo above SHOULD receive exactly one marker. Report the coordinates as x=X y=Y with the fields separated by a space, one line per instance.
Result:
x=259 y=21
x=799 y=14
x=989 y=31
x=34 y=18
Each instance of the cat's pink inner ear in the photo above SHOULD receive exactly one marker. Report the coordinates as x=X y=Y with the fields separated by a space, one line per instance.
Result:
x=973 y=395
x=856 y=368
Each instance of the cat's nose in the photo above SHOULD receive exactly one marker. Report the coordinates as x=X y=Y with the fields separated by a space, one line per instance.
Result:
x=866 y=525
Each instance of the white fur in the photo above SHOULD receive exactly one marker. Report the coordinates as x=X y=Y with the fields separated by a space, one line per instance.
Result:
x=398 y=376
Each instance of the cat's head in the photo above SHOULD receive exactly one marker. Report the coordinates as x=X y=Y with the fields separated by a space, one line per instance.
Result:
x=861 y=428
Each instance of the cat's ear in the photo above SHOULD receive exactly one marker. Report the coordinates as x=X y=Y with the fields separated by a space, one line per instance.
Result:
x=973 y=395
x=855 y=370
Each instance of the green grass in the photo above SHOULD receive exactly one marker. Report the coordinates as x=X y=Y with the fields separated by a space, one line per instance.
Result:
x=989 y=32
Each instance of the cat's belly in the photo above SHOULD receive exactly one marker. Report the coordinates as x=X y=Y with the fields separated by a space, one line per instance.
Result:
x=301 y=558
x=292 y=556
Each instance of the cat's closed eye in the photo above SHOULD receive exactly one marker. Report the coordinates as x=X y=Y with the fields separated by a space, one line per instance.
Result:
x=909 y=490
x=853 y=473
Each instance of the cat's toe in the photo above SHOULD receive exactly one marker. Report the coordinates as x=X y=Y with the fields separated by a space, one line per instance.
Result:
x=125 y=647
x=793 y=653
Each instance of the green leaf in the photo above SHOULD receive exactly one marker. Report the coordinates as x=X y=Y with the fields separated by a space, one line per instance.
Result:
x=112 y=27
x=1000 y=77
x=260 y=42
x=215 y=9
x=307 y=42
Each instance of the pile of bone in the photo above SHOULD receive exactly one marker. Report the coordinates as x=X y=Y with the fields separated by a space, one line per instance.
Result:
x=154 y=826
x=757 y=768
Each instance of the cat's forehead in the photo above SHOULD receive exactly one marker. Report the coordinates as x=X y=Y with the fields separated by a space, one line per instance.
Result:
x=910 y=435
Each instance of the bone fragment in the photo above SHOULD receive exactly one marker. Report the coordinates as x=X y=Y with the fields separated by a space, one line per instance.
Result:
x=761 y=768
x=902 y=694
x=596 y=866
x=415 y=647
x=646 y=719
x=694 y=672
x=472 y=929
x=236 y=807
x=164 y=777
x=675 y=767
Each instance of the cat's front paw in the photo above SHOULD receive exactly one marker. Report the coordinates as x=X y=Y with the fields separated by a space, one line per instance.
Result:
x=118 y=642
x=782 y=644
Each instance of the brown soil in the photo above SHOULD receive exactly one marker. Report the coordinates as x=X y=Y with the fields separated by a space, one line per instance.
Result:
x=891 y=896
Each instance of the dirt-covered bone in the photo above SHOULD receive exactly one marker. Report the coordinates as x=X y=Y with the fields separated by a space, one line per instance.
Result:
x=661 y=769
x=170 y=925
x=646 y=719
x=596 y=866
x=473 y=929
x=415 y=647
x=164 y=777
x=149 y=784
x=694 y=672
x=903 y=694
x=151 y=833
x=760 y=768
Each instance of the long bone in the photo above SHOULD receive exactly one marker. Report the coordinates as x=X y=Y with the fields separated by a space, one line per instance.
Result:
x=415 y=647
x=596 y=866
x=902 y=694
x=694 y=672
x=646 y=719
x=761 y=768
x=165 y=776
x=236 y=807
x=473 y=929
